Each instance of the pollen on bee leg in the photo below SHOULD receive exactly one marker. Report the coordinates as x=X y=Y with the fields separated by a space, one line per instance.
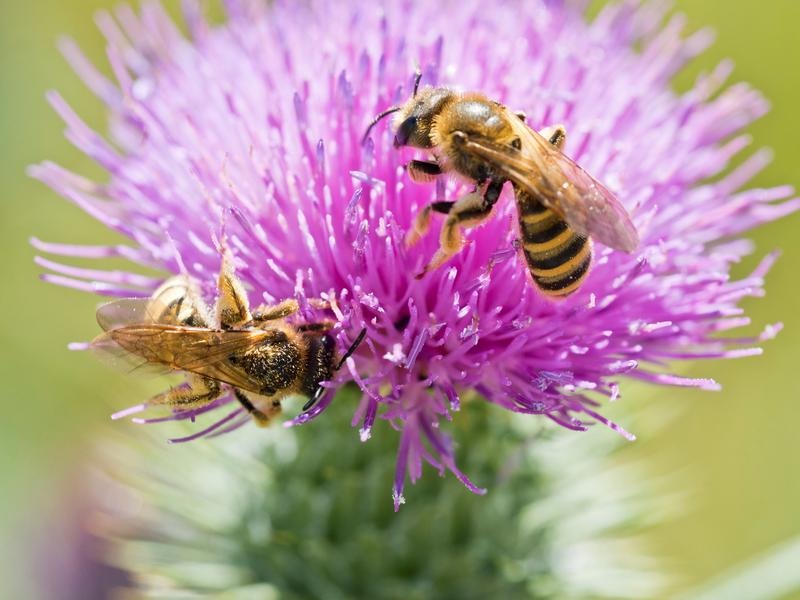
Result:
x=195 y=392
x=233 y=308
x=279 y=311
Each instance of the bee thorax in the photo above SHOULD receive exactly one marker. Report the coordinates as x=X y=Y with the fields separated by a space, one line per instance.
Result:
x=275 y=366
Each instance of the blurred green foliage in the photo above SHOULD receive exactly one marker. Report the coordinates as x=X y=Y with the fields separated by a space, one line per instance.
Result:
x=738 y=448
x=308 y=513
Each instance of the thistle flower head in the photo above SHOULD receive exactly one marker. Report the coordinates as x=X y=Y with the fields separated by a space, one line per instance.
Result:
x=255 y=127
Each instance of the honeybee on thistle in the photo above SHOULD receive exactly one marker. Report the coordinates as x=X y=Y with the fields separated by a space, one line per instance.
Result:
x=560 y=206
x=260 y=356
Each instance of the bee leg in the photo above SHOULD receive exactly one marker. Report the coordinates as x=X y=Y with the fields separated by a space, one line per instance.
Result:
x=262 y=419
x=320 y=327
x=319 y=303
x=556 y=135
x=423 y=171
x=279 y=311
x=469 y=211
x=286 y=309
x=423 y=220
x=196 y=392
x=233 y=309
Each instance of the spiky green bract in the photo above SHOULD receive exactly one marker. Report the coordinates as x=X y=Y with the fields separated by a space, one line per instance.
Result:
x=302 y=513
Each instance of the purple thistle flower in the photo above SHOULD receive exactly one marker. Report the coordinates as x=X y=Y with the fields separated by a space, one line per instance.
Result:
x=256 y=126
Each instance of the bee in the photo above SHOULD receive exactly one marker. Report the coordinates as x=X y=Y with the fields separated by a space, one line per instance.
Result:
x=258 y=355
x=560 y=206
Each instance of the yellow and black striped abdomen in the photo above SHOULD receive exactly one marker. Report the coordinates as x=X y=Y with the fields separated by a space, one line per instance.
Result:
x=557 y=257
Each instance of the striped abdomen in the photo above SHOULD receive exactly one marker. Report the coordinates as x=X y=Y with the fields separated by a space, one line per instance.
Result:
x=557 y=257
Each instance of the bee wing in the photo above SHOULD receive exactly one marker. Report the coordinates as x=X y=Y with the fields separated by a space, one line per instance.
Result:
x=173 y=303
x=115 y=356
x=123 y=312
x=551 y=176
x=193 y=349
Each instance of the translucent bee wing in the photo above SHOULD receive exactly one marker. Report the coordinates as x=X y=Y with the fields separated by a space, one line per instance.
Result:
x=175 y=348
x=561 y=184
x=115 y=356
x=124 y=311
x=588 y=206
x=175 y=302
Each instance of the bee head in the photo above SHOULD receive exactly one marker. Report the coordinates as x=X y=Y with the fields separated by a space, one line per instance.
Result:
x=323 y=364
x=414 y=120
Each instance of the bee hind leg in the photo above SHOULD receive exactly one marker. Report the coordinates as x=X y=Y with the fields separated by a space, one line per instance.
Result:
x=196 y=392
x=261 y=418
x=232 y=308
x=556 y=135
x=423 y=220
x=468 y=211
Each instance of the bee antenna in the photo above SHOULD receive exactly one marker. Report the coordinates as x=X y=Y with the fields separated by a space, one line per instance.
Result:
x=417 y=77
x=313 y=400
x=388 y=111
x=353 y=347
x=320 y=390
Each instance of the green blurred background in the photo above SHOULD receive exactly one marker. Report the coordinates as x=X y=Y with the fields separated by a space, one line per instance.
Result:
x=734 y=455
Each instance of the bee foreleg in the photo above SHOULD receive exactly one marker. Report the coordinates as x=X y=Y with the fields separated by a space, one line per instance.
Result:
x=423 y=171
x=468 y=211
x=261 y=418
x=556 y=135
x=233 y=309
x=279 y=311
x=196 y=392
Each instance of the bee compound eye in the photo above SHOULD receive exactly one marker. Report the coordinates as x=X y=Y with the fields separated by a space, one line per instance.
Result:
x=405 y=131
x=268 y=391
x=328 y=342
